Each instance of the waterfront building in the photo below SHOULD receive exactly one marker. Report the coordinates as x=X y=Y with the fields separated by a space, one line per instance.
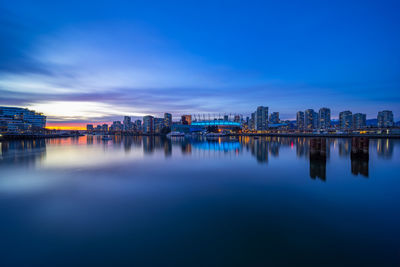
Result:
x=300 y=120
x=274 y=118
x=167 y=120
x=236 y=118
x=252 y=123
x=158 y=124
x=186 y=119
x=89 y=127
x=226 y=118
x=3 y=126
x=261 y=118
x=359 y=121
x=345 y=120
x=104 y=127
x=21 y=118
x=324 y=118
x=148 y=124
x=310 y=119
x=385 y=119
x=138 y=124
x=116 y=126
x=127 y=124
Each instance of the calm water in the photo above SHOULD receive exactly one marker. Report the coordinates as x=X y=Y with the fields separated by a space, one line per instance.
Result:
x=143 y=201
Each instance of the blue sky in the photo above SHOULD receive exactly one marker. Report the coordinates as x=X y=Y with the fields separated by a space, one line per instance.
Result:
x=81 y=61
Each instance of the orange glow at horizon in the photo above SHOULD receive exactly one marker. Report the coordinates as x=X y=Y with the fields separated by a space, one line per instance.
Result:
x=71 y=125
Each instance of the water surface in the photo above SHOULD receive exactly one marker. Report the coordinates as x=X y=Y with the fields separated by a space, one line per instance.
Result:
x=149 y=201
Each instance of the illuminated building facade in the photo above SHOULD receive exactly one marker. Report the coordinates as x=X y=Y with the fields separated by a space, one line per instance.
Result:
x=186 y=119
x=385 y=119
x=345 y=120
x=261 y=118
x=324 y=118
x=359 y=121
x=300 y=120
x=148 y=124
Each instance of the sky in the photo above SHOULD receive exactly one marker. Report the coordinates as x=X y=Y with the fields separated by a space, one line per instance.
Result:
x=97 y=61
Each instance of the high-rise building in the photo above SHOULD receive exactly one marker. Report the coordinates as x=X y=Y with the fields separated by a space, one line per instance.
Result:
x=148 y=124
x=127 y=123
x=252 y=123
x=89 y=127
x=167 y=120
x=236 y=118
x=385 y=119
x=300 y=120
x=104 y=127
x=138 y=124
x=324 y=118
x=315 y=120
x=186 y=119
x=261 y=118
x=158 y=124
x=226 y=118
x=274 y=117
x=310 y=119
x=345 y=120
x=116 y=126
x=359 y=121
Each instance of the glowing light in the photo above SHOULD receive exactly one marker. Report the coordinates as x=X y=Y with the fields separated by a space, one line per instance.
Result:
x=216 y=123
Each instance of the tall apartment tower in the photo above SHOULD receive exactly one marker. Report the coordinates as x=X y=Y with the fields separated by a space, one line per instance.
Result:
x=385 y=119
x=324 y=118
x=345 y=120
x=148 y=124
x=310 y=120
x=127 y=123
x=167 y=120
x=300 y=120
x=274 y=117
x=261 y=118
x=359 y=120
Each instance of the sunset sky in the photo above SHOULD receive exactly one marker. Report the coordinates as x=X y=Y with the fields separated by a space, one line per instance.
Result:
x=96 y=61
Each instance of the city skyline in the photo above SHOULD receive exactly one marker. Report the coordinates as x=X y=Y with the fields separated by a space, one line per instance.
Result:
x=84 y=63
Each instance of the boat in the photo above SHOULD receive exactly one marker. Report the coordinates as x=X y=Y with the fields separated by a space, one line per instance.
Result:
x=106 y=138
x=176 y=134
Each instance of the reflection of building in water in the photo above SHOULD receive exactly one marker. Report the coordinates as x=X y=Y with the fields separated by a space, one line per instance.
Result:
x=359 y=156
x=127 y=142
x=274 y=147
x=301 y=147
x=384 y=148
x=148 y=144
x=318 y=158
x=89 y=139
x=344 y=147
x=167 y=147
x=186 y=147
x=24 y=152
x=261 y=150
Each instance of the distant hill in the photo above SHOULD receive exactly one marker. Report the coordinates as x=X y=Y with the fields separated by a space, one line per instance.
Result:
x=372 y=122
